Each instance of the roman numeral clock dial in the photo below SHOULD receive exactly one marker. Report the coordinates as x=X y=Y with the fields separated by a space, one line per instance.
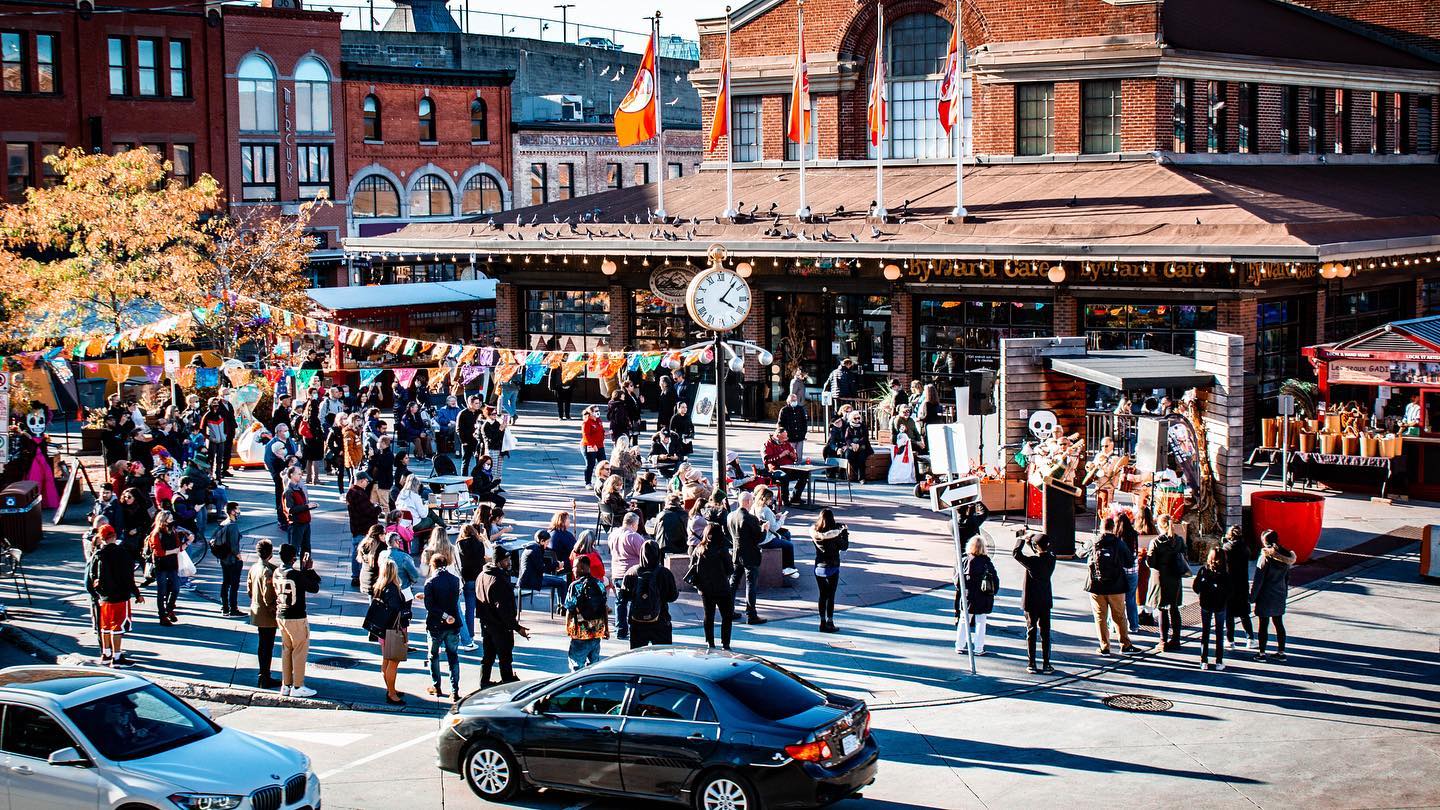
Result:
x=718 y=300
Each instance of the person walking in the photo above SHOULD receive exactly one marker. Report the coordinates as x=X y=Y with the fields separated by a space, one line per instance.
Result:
x=665 y=402
x=592 y=441
x=1212 y=585
x=363 y=513
x=649 y=588
x=467 y=431
x=392 y=629
x=225 y=545
x=981 y=582
x=297 y=509
x=1125 y=530
x=1270 y=590
x=260 y=588
x=499 y=618
x=295 y=578
x=1237 y=567
x=470 y=549
x=353 y=457
x=1036 y=597
x=747 y=534
x=312 y=441
x=712 y=567
x=1166 y=561
x=563 y=388
x=217 y=428
x=335 y=451
x=1106 y=583
x=166 y=543
x=114 y=588
x=442 y=623
x=830 y=537
x=587 y=620
x=382 y=470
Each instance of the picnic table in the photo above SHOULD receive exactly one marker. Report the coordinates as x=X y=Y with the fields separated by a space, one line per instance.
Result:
x=809 y=470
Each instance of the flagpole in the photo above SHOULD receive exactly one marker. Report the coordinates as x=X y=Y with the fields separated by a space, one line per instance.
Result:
x=659 y=126
x=959 y=211
x=724 y=96
x=879 y=99
x=803 y=212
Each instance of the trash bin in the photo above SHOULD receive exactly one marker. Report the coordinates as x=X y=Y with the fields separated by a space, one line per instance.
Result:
x=20 y=515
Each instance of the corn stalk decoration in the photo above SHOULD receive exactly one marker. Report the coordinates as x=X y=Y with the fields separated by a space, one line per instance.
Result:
x=1208 y=495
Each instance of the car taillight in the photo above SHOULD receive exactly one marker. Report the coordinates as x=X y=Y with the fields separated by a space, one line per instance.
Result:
x=816 y=751
x=864 y=725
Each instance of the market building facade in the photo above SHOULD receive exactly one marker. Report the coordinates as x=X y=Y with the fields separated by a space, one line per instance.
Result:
x=1133 y=175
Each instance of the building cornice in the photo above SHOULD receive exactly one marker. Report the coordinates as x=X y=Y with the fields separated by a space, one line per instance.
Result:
x=829 y=73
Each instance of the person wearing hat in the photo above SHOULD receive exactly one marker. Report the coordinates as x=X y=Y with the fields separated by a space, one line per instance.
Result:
x=498 y=612
x=143 y=447
x=113 y=585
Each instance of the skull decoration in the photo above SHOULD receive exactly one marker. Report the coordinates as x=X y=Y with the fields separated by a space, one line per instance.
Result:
x=36 y=421
x=1044 y=424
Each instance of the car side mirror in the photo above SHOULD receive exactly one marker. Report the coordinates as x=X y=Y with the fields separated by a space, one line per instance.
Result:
x=69 y=757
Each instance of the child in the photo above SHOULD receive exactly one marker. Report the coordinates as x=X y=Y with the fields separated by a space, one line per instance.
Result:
x=1212 y=585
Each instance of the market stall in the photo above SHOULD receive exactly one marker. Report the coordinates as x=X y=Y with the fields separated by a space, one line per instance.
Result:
x=1377 y=416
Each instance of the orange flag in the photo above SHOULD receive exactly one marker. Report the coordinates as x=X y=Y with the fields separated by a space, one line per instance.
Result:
x=635 y=118
x=720 y=121
x=876 y=112
x=950 y=84
x=798 y=130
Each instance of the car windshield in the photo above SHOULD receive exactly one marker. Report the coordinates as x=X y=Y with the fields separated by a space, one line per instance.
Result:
x=139 y=723
x=771 y=693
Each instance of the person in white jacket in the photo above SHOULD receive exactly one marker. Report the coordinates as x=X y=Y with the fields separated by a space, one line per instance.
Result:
x=422 y=515
x=776 y=535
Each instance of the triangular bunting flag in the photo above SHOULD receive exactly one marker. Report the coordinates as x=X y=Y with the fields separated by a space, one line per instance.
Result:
x=153 y=373
x=504 y=372
x=405 y=376
x=571 y=369
x=534 y=373
x=369 y=375
x=438 y=376
x=304 y=377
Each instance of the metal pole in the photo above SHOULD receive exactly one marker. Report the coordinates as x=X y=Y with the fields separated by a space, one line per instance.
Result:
x=730 y=211
x=720 y=367
x=659 y=127
x=960 y=117
x=884 y=139
x=564 y=19
x=803 y=212
x=1285 y=452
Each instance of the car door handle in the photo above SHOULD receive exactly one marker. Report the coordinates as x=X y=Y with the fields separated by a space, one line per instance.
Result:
x=23 y=770
x=697 y=736
x=607 y=729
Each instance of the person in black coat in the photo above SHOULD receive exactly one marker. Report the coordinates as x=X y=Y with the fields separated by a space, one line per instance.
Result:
x=830 y=537
x=484 y=483
x=711 y=569
x=563 y=389
x=673 y=526
x=1212 y=585
x=665 y=403
x=796 y=423
x=467 y=424
x=1036 y=598
x=498 y=613
x=617 y=412
x=1237 y=555
x=684 y=429
x=747 y=533
x=647 y=583
x=851 y=441
x=981 y=582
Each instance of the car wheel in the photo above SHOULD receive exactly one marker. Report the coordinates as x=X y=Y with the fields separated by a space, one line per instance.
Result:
x=725 y=790
x=491 y=771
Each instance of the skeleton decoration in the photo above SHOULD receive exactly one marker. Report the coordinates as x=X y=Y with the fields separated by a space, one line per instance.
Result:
x=36 y=421
x=1044 y=424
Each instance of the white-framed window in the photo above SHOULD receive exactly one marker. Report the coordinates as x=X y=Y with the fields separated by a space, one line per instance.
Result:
x=256 y=80
x=481 y=195
x=915 y=46
x=430 y=197
x=312 y=96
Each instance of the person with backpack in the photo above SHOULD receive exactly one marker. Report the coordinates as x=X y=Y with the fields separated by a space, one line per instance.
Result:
x=1036 y=597
x=981 y=582
x=830 y=537
x=260 y=587
x=649 y=588
x=225 y=545
x=1106 y=583
x=587 y=616
x=499 y=618
x=1212 y=585
x=297 y=509
x=1166 y=559
x=1270 y=590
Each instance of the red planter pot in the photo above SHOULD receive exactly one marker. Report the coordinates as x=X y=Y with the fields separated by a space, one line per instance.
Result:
x=1296 y=517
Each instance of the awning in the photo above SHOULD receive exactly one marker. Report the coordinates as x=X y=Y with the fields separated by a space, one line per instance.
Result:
x=1130 y=369
x=380 y=296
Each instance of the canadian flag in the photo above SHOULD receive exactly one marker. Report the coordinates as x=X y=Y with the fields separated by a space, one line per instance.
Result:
x=950 y=84
x=800 y=120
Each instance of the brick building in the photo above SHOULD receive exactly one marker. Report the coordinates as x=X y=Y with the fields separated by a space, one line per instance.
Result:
x=556 y=160
x=1135 y=172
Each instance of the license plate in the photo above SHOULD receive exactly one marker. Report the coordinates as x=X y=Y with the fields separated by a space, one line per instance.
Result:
x=849 y=744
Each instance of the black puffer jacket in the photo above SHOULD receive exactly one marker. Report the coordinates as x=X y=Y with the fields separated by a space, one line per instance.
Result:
x=829 y=544
x=973 y=571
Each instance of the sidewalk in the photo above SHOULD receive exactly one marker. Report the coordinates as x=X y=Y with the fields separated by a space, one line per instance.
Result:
x=896 y=647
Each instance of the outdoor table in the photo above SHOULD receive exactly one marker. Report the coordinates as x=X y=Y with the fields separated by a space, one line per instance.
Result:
x=809 y=470
x=447 y=483
x=1332 y=466
x=658 y=496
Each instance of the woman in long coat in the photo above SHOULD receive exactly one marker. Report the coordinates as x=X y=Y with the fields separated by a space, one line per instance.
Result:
x=1270 y=590
x=981 y=582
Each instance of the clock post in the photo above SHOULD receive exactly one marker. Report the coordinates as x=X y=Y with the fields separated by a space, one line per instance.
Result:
x=721 y=367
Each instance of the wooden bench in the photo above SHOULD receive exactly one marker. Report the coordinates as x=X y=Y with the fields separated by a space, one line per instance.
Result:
x=772 y=574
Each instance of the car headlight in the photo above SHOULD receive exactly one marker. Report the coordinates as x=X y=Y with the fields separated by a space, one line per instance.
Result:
x=206 y=801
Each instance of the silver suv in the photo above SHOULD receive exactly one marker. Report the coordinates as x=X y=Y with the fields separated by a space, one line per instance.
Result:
x=78 y=737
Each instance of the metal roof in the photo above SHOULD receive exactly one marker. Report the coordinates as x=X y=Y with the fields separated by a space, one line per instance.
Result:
x=403 y=295
x=1130 y=369
x=1415 y=334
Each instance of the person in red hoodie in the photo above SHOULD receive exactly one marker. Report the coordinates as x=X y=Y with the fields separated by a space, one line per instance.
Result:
x=592 y=440
x=779 y=452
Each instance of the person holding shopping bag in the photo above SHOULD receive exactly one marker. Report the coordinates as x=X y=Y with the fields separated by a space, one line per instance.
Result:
x=389 y=623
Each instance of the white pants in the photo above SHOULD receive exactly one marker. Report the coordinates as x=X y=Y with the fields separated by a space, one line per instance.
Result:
x=962 y=633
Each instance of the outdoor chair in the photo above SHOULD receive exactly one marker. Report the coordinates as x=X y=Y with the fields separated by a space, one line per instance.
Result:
x=832 y=483
x=12 y=567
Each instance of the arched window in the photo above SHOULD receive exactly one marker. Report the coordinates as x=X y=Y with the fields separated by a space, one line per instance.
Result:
x=427 y=120
x=481 y=195
x=375 y=196
x=257 y=95
x=371 y=109
x=430 y=197
x=916 y=46
x=479 y=130
x=312 y=96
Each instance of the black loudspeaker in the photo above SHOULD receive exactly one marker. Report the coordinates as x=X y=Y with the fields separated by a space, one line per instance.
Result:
x=1059 y=518
x=982 y=391
x=1151 y=445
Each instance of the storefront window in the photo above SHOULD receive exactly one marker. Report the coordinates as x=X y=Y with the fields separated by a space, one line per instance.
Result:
x=957 y=335
x=410 y=273
x=567 y=320
x=1278 y=340
x=1429 y=298
x=660 y=324
x=1347 y=314
x=817 y=330
x=1162 y=327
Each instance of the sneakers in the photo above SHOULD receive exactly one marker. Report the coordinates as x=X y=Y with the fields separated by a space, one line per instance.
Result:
x=1279 y=656
x=471 y=647
x=1129 y=648
x=791 y=573
x=1260 y=656
x=284 y=690
x=1048 y=670
x=121 y=663
x=267 y=682
x=1103 y=650
x=1205 y=665
x=302 y=692
x=1241 y=645
x=1220 y=667
x=756 y=620
x=1032 y=670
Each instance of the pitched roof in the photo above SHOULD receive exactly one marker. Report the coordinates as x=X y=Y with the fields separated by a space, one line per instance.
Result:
x=338 y=299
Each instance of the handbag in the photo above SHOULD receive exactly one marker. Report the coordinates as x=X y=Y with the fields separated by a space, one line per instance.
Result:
x=185 y=565
x=395 y=645
x=377 y=618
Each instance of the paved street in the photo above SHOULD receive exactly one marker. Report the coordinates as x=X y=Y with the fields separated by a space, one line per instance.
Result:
x=1349 y=721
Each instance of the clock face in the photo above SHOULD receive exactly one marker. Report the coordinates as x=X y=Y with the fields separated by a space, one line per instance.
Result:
x=718 y=300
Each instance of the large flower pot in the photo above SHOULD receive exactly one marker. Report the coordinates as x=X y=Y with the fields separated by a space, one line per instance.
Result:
x=1295 y=516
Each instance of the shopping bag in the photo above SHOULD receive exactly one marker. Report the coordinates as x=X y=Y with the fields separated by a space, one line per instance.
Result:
x=186 y=565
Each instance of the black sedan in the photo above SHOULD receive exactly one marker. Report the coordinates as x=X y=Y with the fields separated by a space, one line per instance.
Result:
x=716 y=730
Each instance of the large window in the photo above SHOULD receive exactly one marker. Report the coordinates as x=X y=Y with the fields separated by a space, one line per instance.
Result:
x=1247 y=118
x=426 y=114
x=744 y=129
x=49 y=175
x=916 y=49
x=1347 y=314
x=257 y=95
x=1034 y=118
x=370 y=112
x=17 y=171
x=1102 y=117
x=479 y=125
x=147 y=67
x=257 y=172
x=1315 y=134
x=430 y=197
x=117 y=59
x=1162 y=327
x=792 y=149
x=614 y=175
x=312 y=96
x=659 y=324
x=182 y=166
x=12 y=62
x=481 y=195
x=539 y=184
x=1278 y=340
x=576 y=320
x=960 y=334
x=1215 y=117
x=315 y=171
x=564 y=181
x=178 y=70
x=375 y=196
x=27 y=69
x=1180 y=116
x=1290 y=119
x=45 y=64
